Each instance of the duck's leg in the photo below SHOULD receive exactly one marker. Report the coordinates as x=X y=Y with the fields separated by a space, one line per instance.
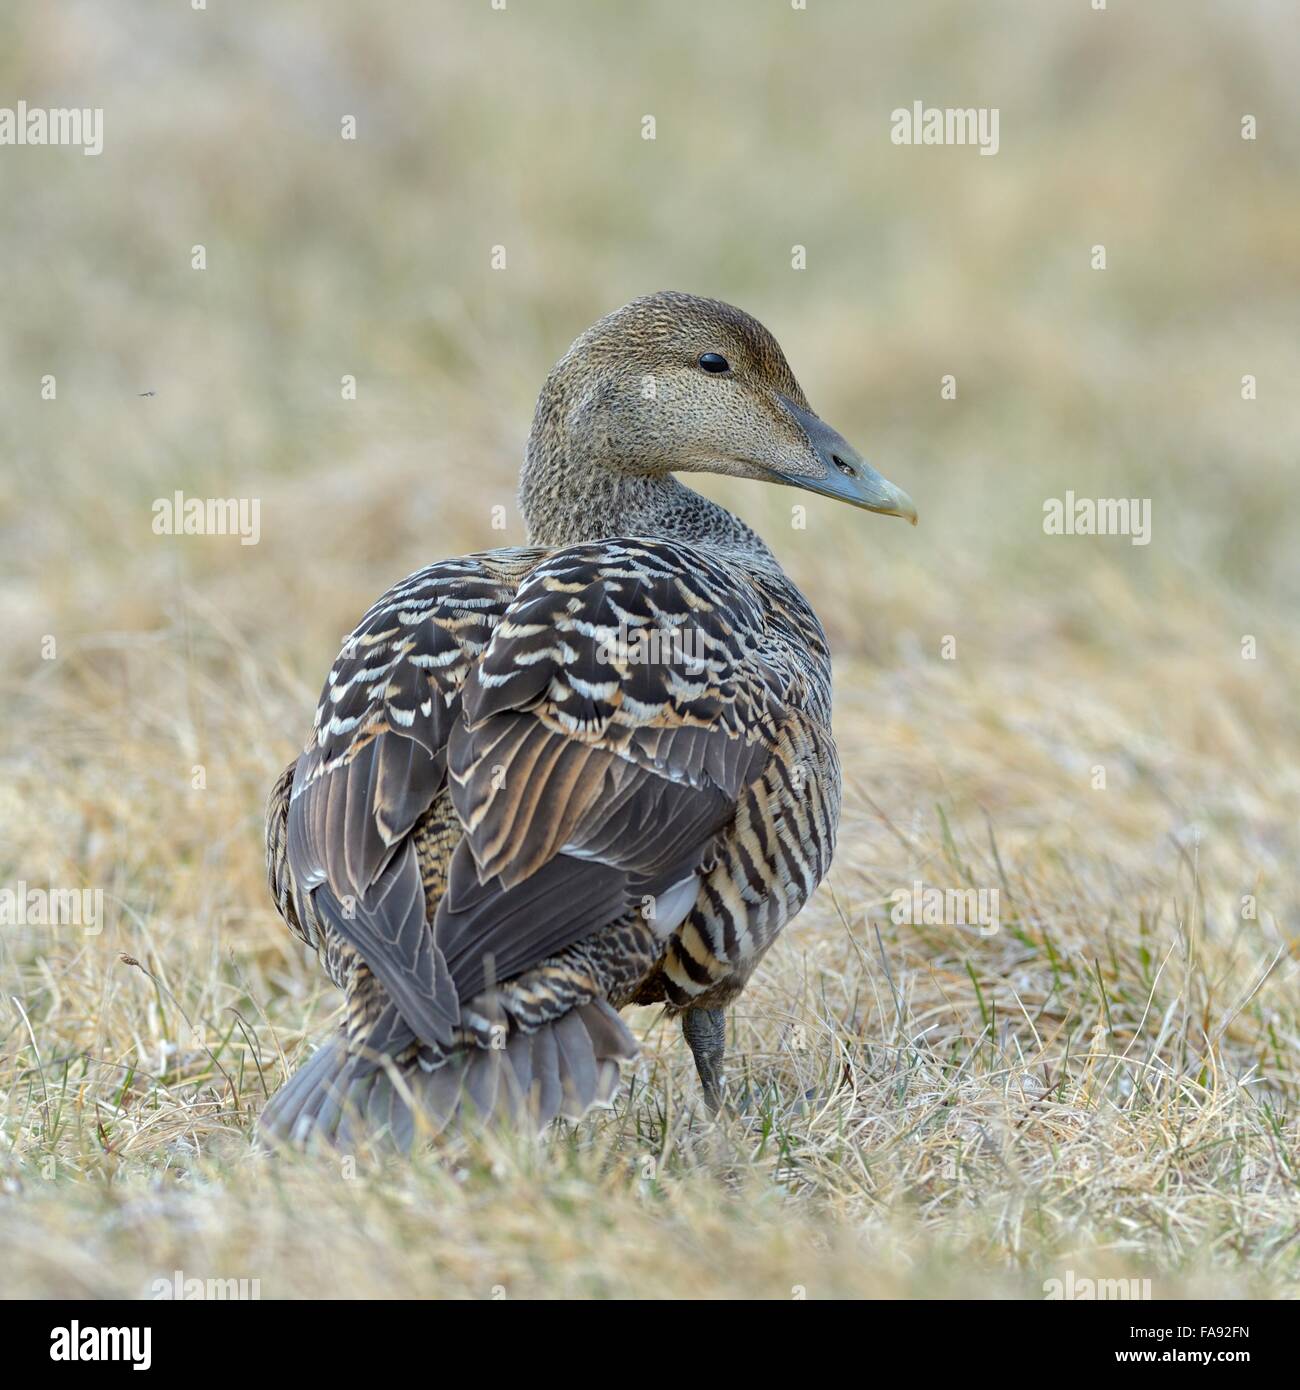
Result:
x=705 y=1031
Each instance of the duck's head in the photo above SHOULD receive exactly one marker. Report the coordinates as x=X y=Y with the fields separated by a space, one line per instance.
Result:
x=673 y=383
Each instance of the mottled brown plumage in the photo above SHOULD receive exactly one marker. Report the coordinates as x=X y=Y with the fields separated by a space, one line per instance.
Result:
x=547 y=782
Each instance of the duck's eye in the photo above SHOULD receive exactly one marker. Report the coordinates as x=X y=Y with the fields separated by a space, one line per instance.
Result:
x=714 y=362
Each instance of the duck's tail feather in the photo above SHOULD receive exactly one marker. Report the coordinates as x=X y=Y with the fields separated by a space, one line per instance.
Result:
x=342 y=1097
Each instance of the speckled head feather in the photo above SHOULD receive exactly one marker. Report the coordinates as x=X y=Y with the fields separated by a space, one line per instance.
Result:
x=672 y=383
x=670 y=331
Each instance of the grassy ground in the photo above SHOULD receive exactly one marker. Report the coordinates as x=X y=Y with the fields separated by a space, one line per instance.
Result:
x=1108 y=1083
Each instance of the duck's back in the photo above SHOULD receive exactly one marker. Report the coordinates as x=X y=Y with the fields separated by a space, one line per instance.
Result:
x=542 y=782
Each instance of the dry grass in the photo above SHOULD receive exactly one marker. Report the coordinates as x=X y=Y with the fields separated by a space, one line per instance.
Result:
x=1109 y=1082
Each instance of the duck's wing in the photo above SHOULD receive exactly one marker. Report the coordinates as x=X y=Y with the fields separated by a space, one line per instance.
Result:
x=620 y=710
x=375 y=761
x=600 y=713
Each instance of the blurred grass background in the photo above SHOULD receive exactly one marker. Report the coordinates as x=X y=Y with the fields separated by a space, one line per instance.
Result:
x=522 y=128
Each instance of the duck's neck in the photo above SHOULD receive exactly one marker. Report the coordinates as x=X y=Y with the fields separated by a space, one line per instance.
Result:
x=568 y=497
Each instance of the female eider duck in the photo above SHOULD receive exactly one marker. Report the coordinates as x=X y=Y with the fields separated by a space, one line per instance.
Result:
x=545 y=783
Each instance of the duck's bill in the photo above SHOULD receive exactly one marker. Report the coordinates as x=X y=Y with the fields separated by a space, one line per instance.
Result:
x=846 y=475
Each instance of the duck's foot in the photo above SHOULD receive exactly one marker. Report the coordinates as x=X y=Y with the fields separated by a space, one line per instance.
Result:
x=705 y=1031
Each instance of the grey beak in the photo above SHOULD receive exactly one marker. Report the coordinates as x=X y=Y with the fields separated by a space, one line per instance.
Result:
x=848 y=477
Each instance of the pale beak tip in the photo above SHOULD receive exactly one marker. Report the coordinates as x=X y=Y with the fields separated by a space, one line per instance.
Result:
x=905 y=507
